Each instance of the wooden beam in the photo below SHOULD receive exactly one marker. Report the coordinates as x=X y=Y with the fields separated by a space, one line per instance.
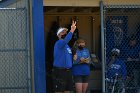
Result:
x=89 y=3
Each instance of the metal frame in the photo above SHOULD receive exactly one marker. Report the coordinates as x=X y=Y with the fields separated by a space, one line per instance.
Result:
x=103 y=30
x=102 y=46
x=39 y=47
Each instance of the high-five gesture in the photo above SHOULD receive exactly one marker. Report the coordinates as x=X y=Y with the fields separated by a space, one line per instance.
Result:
x=73 y=26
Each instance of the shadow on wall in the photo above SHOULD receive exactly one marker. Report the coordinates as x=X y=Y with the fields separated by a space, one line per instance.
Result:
x=51 y=39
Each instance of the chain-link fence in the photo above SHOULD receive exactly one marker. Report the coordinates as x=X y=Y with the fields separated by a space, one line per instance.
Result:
x=14 y=47
x=122 y=54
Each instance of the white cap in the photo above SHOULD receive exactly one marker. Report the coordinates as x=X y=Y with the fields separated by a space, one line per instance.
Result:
x=60 y=30
x=116 y=50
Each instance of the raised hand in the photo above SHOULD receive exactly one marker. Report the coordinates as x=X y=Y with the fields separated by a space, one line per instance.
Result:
x=73 y=26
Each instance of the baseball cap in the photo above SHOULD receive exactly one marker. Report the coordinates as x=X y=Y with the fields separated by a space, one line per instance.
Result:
x=116 y=50
x=60 y=30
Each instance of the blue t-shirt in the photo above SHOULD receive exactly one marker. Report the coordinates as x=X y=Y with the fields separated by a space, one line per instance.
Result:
x=117 y=67
x=62 y=53
x=83 y=68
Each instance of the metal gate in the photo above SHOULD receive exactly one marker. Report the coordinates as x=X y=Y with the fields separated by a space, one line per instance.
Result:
x=122 y=48
x=15 y=56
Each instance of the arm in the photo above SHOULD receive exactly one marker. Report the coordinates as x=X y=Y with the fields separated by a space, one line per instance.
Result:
x=62 y=43
x=69 y=35
x=76 y=59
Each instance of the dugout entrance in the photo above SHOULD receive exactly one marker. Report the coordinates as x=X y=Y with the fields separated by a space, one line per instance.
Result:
x=88 y=27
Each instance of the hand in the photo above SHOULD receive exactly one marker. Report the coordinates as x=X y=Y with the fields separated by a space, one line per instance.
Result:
x=82 y=59
x=87 y=60
x=73 y=26
x=75 y=57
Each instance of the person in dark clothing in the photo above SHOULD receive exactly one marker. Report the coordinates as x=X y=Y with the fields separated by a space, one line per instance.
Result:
x=132 y=60
x=132 y=52
x=62 y=77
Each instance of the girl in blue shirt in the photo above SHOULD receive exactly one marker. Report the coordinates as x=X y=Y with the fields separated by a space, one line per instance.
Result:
x=81 y=69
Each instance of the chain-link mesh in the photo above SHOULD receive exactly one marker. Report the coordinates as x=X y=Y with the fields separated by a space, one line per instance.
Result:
x=122 y=31
x=14 y=48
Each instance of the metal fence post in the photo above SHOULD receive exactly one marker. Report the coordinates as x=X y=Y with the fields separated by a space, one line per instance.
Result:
x=102 y=46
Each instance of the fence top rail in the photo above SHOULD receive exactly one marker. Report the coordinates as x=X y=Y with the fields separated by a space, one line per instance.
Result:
x=7 y=8
x=121 y=6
